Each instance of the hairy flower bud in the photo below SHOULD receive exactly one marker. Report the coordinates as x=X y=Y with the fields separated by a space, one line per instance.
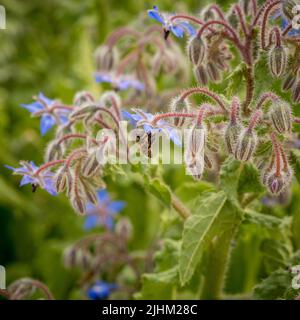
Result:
x=78 y=204
x=196 y=50
x=213 y=71
x=232 y=133
x=275 y=183
x=90 y=165
x=69 y=257
x=281 y=117
x=106 y=57
x=296 y=91
x=84 y=111
x=289 y=81
x=54 y=151
x=201 y=74
x=246 y=144
x=82 y=98
x=124 y=229
x=287 y=8
x=179 y=105
x=194 y=151
x=61 y=180
x=277 y=61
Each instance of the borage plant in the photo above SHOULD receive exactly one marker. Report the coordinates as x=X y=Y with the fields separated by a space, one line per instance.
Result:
x=237 y=141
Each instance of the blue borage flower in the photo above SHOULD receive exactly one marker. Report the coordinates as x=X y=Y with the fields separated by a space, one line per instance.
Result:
x=28 y=171
x=284 y=23
x=43 y=107
x=121 y=82
x=103 y=213
x=101 y=290
x=178 y=27
x=144 y=118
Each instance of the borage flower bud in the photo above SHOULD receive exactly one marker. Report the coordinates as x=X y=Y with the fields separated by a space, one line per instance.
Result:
x=232 y=133
x=179 y=105
x=88 y=190
x=289 y=81
x=61 y=179
x=246 y=145
x=84 y=111
x=247 y=140
x=275 y=183
x=281 y=117
x=91 y=165
x=69 y=257
x=277 y=61
x=78 y=204
x=82 y=98
x=196 y=50
x=201 y=75
x=54 y=151
x=208 y=162
x=106 y=57
x=194 y=153
x=213 y=71
x=124 y=229
x=233 y=19
x=296 y=91
x=287 y=8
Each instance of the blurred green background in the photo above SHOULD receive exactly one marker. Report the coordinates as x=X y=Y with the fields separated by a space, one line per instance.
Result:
x=48 y=46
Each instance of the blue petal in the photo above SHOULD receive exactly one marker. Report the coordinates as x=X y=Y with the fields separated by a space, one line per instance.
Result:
x=26 y=180
x=99 y=291
x=91 y=221
x=64 y=119
x=128 y=116
x=46 y=100
x=177 y=31
x=103 y=195
x=175 y=137
x=49 y=186
x=101 y=77
x=33 y=107
x=115 y=206
x=108 y=221
x=154 y=14
x=9 y=167
x=47 y=122
x=188 y=27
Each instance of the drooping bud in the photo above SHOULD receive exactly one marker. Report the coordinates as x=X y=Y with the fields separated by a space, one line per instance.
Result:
x=179 y=105
x=296 y=91
x=124 y=229
x=281 y=117
x=78 y=204
x=61 y=180
x=84 y=111
x=83 y=97
x=275 y=183
x=246 y=6
x=201 y=75
x=213 y=71
x=246 y=144
x=289 y=81
x=287 y=8
x=196 y=50
x=208 y=162
x=194 y=151
x=90 y=165
x=232 y=133
x=106 y=57
x=54 y=151
x=69 y=257
x=88 y=190
x=277 y=61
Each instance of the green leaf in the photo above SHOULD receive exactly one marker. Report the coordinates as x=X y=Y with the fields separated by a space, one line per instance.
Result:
x=240 y=180
x=198 y=231
x=229 y=177
x=160 y=190
x=158 y=285
x=273 y=287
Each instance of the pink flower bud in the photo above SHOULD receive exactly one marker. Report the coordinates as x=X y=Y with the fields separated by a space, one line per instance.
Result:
x=196 y=50
x=277 y=61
